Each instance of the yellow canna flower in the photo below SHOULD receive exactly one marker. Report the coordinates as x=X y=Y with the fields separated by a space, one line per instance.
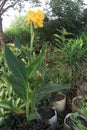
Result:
x=38 y=73
x=35 y=17
x=39 y=17
x=30 y=17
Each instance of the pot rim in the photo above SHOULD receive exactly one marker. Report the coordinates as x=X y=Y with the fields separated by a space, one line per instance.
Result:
x=77 y=97
x=61 y=94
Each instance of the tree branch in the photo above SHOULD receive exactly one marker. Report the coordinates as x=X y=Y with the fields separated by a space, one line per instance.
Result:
x=10 y=6
x=2 y=5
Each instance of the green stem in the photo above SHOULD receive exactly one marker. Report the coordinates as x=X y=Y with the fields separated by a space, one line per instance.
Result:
x=32 y=38
x=28 y=101
x=33 y=105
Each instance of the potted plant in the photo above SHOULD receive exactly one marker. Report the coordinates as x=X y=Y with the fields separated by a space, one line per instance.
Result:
x=79 y=103
x=75 y=121
x=76 y=104
x=58 y=100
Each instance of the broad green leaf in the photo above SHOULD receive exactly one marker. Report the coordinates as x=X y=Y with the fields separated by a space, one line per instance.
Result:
x=34 y=64
x=17 y=66
x=18 y=86
x=17 y=43
x=44 y=91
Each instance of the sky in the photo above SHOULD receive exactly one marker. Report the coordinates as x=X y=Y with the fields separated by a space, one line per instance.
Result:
x=10 y=15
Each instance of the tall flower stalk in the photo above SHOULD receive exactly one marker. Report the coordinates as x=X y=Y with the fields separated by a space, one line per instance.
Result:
x=34 y=20
x=32 y=37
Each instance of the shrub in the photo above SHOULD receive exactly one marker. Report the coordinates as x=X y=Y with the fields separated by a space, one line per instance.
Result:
x=17 y=29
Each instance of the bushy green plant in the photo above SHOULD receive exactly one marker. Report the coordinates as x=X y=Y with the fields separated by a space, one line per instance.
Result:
x=84 y=105
x=21 y=33
x=8 y=100
x=70 y=58
x=76 y=121
x=18 y=29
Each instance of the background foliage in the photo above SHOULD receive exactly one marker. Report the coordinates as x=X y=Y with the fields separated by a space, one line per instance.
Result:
x=63 y=13
x=18 y=29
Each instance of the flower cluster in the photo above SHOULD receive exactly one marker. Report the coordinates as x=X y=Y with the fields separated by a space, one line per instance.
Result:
x=35 y=17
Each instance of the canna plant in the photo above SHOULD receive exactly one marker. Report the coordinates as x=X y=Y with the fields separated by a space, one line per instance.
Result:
x=22 y=73
x=20 y=78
